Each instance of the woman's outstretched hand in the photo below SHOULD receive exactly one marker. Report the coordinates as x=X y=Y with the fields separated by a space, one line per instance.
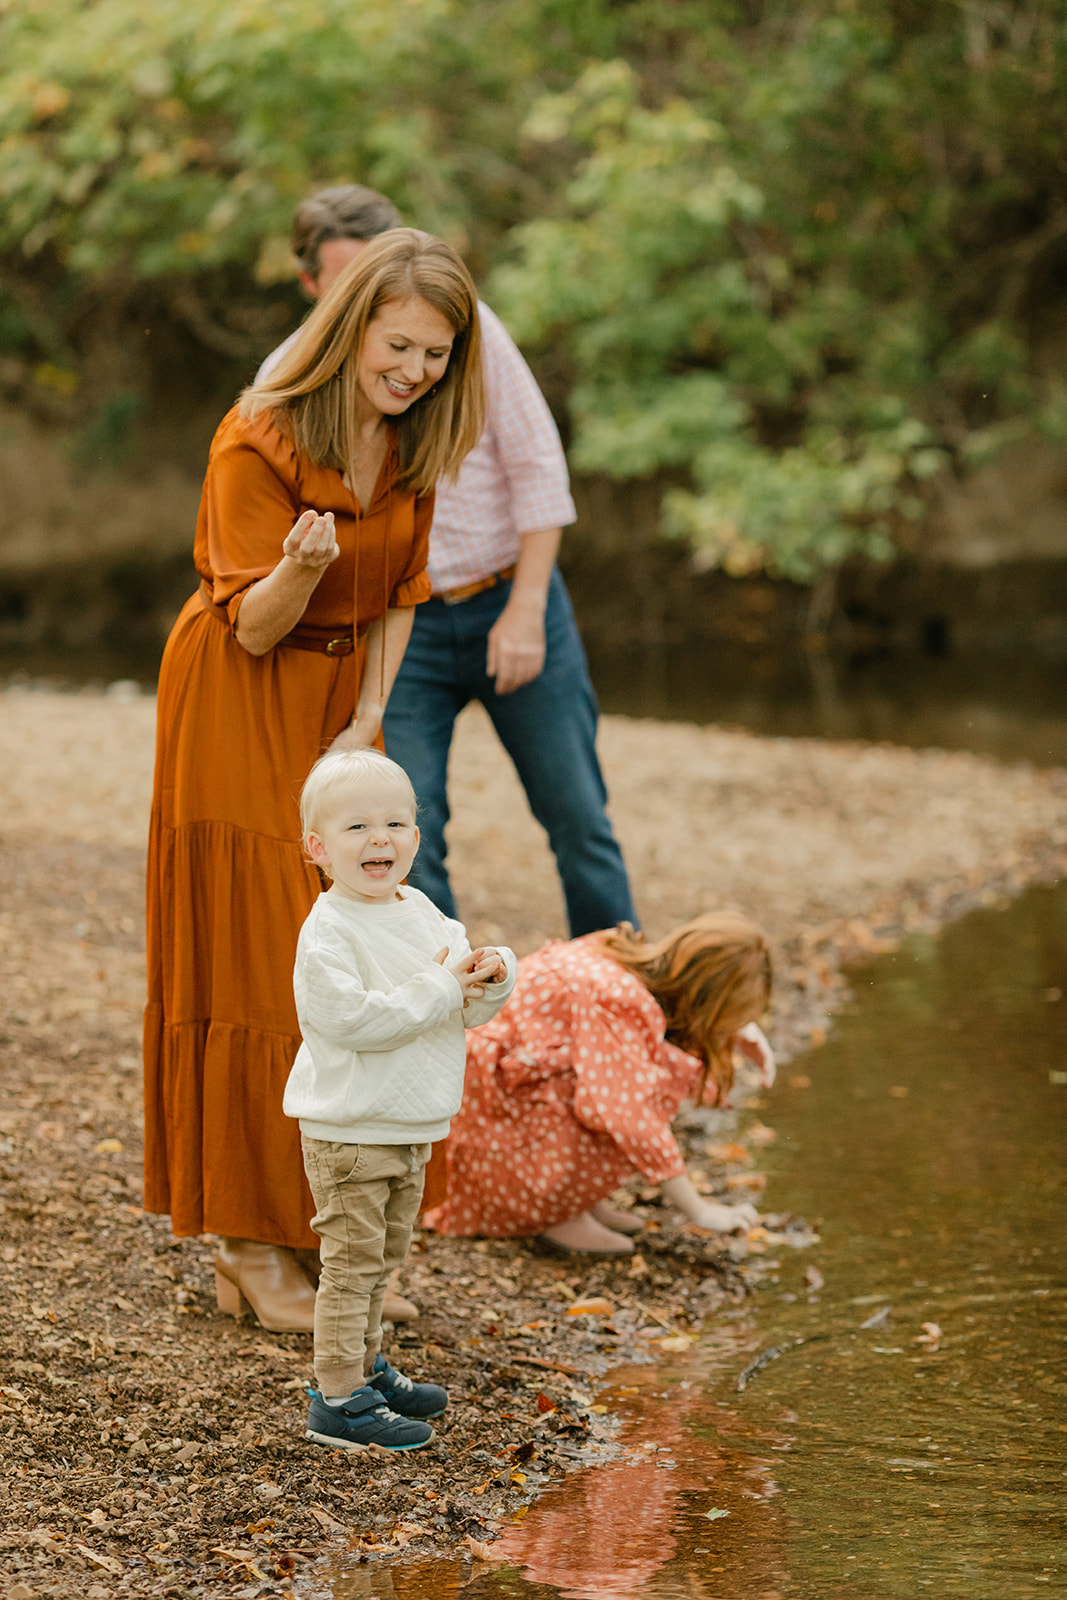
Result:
x=312 y=540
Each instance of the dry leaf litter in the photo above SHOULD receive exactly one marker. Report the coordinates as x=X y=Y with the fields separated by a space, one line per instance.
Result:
x=149 y=1446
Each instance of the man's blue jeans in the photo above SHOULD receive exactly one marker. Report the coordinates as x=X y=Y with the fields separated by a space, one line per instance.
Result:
x=548 y=728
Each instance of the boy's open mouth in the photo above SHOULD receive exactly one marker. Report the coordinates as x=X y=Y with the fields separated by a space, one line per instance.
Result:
x=379 y=867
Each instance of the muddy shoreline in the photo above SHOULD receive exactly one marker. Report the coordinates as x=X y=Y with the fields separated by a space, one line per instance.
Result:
x=152 y=1447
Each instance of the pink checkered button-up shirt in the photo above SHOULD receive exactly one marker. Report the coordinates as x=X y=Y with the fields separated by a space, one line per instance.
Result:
x=513 y=482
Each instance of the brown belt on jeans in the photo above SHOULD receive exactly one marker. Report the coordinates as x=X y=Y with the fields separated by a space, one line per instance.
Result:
x=452 y=597
x=326 y=641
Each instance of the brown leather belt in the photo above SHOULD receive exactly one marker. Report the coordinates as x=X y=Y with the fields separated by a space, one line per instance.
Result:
x=320 y=639
x=452 y=597
x=326 y=641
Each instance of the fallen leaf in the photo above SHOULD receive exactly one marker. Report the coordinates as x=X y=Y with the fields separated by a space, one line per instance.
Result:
x=930 y=1336
x=760 y=1134
x=878 y=1319
x=517 y=1476
x=800 y=1080
x=747 y=1180
x=243 y=1558
x=107 y=1147
x=815 y=1280
x=324 y=1520
x=545 y=1405
x=735 y=1153
x=104 y=1563
x=480 y=1549
x=597 y=1306
x=714 y=1514
x=676 y=1341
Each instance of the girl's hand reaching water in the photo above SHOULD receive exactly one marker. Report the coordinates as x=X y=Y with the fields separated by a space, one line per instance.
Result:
x=726 y=1219
x=708 y=1213
x=753 y=1043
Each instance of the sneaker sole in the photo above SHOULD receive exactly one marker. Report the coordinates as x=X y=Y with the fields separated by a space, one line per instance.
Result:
x=333 y=1443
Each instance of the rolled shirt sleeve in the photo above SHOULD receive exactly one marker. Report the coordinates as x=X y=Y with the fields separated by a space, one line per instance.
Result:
x=514 y=481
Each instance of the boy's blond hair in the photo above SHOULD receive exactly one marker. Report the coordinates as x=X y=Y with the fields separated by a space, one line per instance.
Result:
x=339 y=770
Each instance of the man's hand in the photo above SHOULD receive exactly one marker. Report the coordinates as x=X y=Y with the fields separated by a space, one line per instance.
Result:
x=516 y=653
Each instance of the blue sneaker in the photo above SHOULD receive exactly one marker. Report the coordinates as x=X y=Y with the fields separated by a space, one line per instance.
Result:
x=364 y=1422
x=400 y=1394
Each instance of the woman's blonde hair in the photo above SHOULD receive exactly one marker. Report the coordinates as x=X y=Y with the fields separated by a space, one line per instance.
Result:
x=709 y=977
x=312 y=388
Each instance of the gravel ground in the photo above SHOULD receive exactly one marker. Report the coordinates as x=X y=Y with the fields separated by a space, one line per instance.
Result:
x=152 y=1447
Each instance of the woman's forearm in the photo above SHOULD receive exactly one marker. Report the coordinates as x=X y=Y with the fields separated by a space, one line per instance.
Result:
x=275 y=605
x=387 y=639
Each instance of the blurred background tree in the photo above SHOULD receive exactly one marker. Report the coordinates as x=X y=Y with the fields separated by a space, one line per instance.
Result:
x=786 y=261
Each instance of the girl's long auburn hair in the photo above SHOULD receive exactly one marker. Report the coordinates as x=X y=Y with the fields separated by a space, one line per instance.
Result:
x=312 y=389
x=709 y=977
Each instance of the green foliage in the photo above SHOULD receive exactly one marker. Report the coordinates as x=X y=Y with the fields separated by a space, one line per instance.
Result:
x=787 y=257
x=801 y=286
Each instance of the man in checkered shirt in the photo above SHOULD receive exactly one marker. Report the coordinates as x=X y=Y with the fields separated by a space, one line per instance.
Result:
x=499 y=627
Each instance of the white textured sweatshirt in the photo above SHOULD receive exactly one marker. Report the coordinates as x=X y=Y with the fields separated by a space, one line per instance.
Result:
x=383 y=1024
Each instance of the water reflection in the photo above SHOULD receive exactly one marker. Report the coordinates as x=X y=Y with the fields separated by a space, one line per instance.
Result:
x=872 y=1458
x=617 y=1531
x=1014 y=710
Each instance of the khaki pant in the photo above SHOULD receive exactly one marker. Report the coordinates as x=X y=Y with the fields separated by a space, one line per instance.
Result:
x=367 y=1199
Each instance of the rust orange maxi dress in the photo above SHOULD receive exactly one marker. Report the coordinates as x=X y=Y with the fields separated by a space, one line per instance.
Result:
x=228 y=887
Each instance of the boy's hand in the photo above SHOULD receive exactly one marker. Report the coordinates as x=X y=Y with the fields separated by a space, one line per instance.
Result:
x=473 y=972
x=492 y=963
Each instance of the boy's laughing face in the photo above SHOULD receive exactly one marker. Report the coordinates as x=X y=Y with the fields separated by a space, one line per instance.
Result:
x=366 y=839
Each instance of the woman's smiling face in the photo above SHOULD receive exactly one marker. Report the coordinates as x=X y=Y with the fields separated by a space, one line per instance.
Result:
x=405 y=351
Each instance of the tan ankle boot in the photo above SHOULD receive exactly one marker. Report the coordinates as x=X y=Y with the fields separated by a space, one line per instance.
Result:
x=394 y=1307
x=267 y=1280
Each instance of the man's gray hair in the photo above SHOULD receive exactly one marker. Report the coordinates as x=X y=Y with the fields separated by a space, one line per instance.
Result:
x=347 y=211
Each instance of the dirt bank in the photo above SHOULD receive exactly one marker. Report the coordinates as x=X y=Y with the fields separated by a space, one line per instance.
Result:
x=151 y=1447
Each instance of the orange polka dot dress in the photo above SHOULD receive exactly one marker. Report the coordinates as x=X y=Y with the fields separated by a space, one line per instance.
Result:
x=567 y=1091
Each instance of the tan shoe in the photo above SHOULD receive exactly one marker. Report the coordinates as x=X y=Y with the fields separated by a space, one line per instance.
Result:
x=267 y=1280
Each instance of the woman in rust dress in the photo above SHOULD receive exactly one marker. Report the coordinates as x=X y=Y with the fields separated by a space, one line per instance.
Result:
x=311 y=546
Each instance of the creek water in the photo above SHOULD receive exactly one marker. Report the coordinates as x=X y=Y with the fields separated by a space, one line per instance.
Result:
x=1013 y=708
x=906 y=1432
